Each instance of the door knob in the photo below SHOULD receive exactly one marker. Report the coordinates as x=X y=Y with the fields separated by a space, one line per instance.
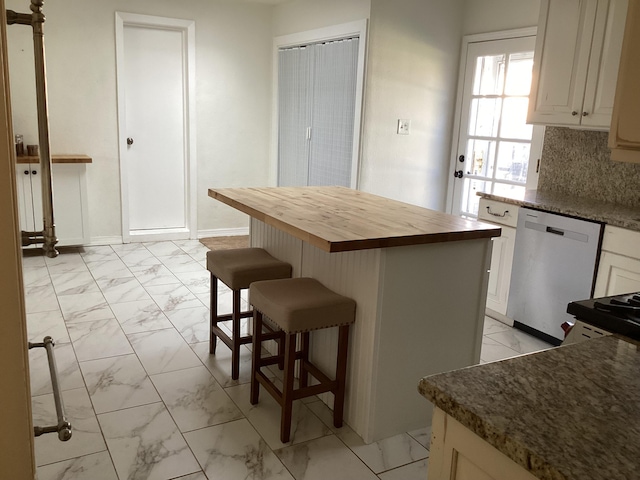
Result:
x=129 y=141
x=458 y=174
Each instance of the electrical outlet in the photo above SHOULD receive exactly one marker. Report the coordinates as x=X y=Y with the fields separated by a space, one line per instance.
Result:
x=403 y=126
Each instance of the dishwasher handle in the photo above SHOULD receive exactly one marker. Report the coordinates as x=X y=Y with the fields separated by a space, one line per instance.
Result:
x=555 y=231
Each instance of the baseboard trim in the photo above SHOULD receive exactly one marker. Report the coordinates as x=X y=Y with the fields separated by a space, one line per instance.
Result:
x=499 y=316
x=97 y=241
x=223 y=232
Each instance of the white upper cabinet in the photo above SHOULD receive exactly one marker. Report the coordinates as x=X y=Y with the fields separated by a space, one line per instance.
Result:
x=576 y=62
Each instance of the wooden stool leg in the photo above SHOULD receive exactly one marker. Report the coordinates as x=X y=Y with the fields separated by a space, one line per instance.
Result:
x=280 y=341
x=341 y=375
x=213 y=313
x=304 y=374
x=255 y=356
x=287 y=387
x=235 y=340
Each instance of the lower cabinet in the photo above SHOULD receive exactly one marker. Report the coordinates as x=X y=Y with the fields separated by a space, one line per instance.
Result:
x=619 y=268
x=459 y=454
x=505 y=216
x=70 y=211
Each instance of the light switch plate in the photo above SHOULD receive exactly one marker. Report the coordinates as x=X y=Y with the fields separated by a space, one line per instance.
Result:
x=403 y=126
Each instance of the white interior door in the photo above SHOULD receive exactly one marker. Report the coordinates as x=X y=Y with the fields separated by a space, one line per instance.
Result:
x=156 y=148
x=494 y=145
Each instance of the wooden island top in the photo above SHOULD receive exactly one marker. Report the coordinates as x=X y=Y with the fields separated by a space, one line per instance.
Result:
x=339 y=219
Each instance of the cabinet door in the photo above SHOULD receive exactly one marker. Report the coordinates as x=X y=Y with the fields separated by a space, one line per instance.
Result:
x=561 y=61
x=500 y=273
x=617 y=274
x=624 y=136
x=604 y=63
x=70 y=204
x=25 y=203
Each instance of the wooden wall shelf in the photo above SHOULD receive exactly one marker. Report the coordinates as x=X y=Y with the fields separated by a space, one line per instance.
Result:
x=57 y=159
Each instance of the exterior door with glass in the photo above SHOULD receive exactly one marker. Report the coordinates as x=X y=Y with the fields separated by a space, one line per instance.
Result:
x=494 y=144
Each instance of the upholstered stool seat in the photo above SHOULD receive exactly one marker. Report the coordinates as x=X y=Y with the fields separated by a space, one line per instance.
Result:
x=237 y=269
x=299 y=306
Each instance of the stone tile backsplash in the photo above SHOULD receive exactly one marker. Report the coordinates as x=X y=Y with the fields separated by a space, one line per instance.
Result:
x=578 y=162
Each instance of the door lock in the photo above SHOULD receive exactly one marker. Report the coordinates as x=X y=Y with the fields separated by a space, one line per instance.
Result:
x=461 y=158
x=458 y=174
x=129 y=141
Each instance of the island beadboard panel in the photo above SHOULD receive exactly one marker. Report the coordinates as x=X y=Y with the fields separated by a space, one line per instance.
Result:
x=338 y=219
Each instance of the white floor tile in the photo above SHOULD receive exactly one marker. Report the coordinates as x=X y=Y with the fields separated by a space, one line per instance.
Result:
x=194 y=398
x=115 y=383
x=265 y=417
x=145 y=443
x=36 y=276
x=235 y=451
x=422 y=436
x=413 y=471
x=84 y=307
x=120 y=290
x=192 y=323
x=109 y=269
x=140 y=258
x=492 y=325
x=220 y=364
x=163 y=351
x=51 y=324
x=68 y=369
x=100 y=253
x=493 y=350
x=97 y=466
x=86 y=437
x=180 y=263
x=140 y=316
x=160 y=249
x=74 y=283
x=173 y=297
x=197 y=282
x=520 y=341
x=153 y=275
x=66 y=263
x=324 y=458
x=98 y=339
x=41 y=299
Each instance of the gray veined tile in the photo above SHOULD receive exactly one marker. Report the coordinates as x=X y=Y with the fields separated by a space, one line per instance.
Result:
x=422 y=436
x=32 y=259
x=220 y=364
x=115 y=383
x=84 y=307
x=153 y=275
x=41 y=299
x=86 y=437
x=385 y=454
x=100 y=253
x=173 y=297
x=74 y=283
x=414 y=471
x=180 y=263
x=235 y=451
x=197 y=282
x=120 y=290
x=97 y=466
x=193 y=476
x=35 y=276
x=192 y=247
x=66 y=263
x=163 y=351
x=324 y=458
x=146 y=444
x=265 y=417
x=47 y=324
x=125 y=248
x=519 y=341
x=195 y=399
x=141 y=316
x=98 y=339
x=163 y=249
x=68 y=370
x=139 y=258
x=493 y=351
x=493 y=326
x=109 y=269
x=192 y=323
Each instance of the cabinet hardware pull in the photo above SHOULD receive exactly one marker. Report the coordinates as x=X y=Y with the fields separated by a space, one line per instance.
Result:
x=63 y=428
x=574 y=113
x=497 y=214
x=26 y=172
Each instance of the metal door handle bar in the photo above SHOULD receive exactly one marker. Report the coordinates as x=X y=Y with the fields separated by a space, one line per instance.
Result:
x=63 y=428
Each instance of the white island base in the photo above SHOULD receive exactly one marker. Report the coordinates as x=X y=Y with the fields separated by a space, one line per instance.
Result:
x=420 y=311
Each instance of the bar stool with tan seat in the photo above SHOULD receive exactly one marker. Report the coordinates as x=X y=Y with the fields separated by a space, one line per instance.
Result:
x=298 y=306
x=238 y=268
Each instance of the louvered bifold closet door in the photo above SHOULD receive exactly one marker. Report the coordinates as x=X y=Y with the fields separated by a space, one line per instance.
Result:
x=294 y=115
x=332 y=118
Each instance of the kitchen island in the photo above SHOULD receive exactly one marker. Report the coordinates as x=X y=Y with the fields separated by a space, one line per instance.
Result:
x=569 y=413
x=419 y=278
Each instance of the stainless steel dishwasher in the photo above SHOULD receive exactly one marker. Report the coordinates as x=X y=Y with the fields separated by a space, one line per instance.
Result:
x=554 y=263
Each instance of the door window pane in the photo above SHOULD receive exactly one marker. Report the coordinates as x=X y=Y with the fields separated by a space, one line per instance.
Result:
x=514 y=118
x=489 y=75
x=470 y=198
x=519 y=74
x=480 y=157
x=513 y=191
x=513 y=161
x=484 y=117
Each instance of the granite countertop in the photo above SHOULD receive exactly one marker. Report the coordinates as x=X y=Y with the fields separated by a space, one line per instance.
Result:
x=609 y=213
x=568 y=413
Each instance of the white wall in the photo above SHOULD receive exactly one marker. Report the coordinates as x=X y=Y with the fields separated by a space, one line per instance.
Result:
x=303 y=15
x=481 y=16
x=414 y=46
x=233 y=65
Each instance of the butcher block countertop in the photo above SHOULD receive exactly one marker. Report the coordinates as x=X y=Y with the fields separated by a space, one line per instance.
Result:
x=339 y=219
x=57 y=159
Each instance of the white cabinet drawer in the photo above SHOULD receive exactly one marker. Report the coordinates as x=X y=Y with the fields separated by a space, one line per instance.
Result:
x=498 y=212
x=621 y=241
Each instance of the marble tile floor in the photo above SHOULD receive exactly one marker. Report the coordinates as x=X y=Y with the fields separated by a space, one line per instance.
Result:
x=147 y=401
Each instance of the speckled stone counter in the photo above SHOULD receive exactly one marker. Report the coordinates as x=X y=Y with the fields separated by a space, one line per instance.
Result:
x=609 y=213
x=569 y=413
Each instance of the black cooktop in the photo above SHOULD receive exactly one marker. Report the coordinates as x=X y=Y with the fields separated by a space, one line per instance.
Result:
x=617 y=314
